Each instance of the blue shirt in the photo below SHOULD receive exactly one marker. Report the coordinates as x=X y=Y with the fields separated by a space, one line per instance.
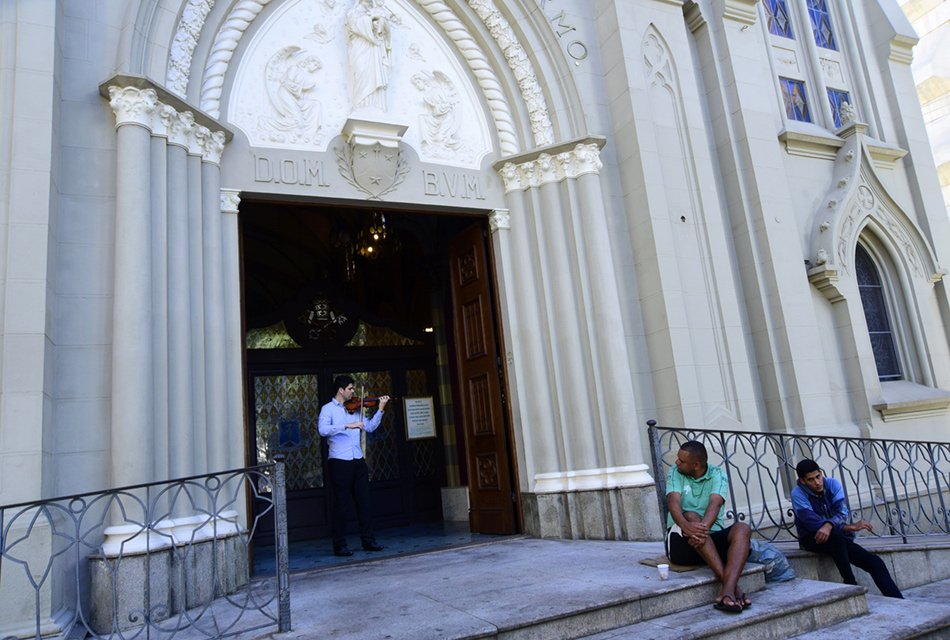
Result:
x=812 y=510
x=344 y=443
x=695 y=492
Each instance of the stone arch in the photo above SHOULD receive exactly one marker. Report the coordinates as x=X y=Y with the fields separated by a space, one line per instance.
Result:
x=170 y=50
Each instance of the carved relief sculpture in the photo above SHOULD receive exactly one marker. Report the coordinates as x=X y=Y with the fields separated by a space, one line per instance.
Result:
x=290 y=77
x=439 y=125
x=369 y=52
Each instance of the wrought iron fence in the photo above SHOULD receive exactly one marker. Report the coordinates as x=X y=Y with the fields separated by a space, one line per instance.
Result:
x=901 y=487
x=155 y=560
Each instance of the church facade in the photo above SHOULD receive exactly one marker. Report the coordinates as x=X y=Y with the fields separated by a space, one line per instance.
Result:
x=717 y=214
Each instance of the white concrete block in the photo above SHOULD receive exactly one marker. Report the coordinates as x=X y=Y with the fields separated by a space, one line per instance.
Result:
x=83 y=372
x=82 y=425
x=23 y=356
x=22 y=419
x=83 y=320
x=35 y=46
x=29 y=196
x=27 y=258
x=28 y=314
x=85 y=269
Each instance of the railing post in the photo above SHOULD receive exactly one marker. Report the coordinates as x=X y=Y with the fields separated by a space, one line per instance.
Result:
x=936 y=475
x=659 y=477
x=897 y=504
x=283 y=558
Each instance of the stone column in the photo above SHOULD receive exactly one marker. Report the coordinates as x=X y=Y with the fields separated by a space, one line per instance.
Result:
x=180 y=378
x=132 y=372
x=199 y=428
x=531 y=372
x=214 y=313
x=233 y=334
x=159 y=174
x=623 y=450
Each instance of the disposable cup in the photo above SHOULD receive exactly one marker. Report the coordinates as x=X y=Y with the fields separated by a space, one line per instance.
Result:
x=664 y=570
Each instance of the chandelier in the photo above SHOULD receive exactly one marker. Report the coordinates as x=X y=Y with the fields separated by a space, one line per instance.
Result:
x=372 y=239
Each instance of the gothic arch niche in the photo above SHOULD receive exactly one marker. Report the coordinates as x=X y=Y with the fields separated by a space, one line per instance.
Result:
x=858 y=209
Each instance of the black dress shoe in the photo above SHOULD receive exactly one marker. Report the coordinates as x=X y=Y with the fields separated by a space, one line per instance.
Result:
x=343 y=552
x=372 y=546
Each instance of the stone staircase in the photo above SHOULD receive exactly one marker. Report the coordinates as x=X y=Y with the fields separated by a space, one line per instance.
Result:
x=532 y=589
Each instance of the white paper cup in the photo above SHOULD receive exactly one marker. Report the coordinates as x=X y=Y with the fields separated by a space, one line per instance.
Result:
x=664 y=570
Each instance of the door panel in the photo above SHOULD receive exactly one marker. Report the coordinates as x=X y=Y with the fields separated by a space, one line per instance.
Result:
x=492 y=507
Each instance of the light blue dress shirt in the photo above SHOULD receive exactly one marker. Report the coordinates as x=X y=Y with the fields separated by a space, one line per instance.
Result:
x=344 y=443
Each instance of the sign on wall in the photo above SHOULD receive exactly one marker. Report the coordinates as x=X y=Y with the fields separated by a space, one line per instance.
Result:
x=420 y=417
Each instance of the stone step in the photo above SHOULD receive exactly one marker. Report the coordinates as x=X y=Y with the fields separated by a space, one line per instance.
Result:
x=891 y=619
x=781 y=611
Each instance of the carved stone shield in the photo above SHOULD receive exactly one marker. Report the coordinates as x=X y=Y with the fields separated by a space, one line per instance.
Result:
x=370 y=159
x=374 y=167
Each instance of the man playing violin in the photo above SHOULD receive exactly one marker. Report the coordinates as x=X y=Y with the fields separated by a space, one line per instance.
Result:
x=349 y=477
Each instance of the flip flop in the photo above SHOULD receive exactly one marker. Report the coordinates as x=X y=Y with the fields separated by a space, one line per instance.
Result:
x=741 y=598
x=720 y=605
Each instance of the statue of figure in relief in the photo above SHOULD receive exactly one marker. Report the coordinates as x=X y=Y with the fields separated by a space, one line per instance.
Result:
x=439 y=125
x=290 y=77
x=369 y=52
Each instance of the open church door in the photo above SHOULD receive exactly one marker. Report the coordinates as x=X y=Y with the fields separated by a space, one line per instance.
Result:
x=483 y=415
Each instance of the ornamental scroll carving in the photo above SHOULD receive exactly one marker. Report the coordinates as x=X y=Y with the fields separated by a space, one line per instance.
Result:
x=183 y=45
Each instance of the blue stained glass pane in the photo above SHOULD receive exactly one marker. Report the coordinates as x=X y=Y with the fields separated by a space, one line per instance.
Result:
x=821 y=24
x=777 y=13
x=796 y=101
x=875 y=314
x=837 y=98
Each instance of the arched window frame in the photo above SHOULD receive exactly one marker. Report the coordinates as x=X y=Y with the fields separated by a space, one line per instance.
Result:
x=894 y=305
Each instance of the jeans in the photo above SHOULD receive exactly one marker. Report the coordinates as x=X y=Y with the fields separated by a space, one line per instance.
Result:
x=846 y=552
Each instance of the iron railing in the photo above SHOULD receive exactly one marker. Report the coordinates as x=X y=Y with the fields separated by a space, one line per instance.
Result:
x=149 y=561
x=901 y=487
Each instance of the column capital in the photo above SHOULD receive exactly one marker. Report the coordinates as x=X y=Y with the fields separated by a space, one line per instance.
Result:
x=499 y=219
x=132 y=105
x=580 y=160
x=211 y=144
x=230 y=200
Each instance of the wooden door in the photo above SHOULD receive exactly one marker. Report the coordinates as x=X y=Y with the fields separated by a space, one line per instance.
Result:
x=486 y=439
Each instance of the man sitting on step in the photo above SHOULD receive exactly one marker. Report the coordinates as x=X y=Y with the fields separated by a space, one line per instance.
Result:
x=821 y=518
x=696 y=495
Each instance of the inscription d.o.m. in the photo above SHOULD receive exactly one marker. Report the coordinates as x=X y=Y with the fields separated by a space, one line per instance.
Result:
x=305 y=172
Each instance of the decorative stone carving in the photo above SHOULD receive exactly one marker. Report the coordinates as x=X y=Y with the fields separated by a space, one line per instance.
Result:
x=183 y=45
x=656 y=59
x=848 y=113
x=133 y=106
x=499 y=219
x=290 y=78
x=180 y=132
x=439 y=125
x=520 y=65
x=370 y=159
x=369 y=52
x=581 y=160
x=213 y=147
x=230 y=200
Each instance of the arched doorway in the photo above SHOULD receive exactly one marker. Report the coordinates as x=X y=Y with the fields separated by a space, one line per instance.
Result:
x=367 y=292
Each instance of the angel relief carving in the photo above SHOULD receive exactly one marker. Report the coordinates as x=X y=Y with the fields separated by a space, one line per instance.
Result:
x=290 y=77
x=439 y=124
x=369 y=52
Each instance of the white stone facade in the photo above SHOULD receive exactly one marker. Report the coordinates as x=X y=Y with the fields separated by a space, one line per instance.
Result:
x=668 y=243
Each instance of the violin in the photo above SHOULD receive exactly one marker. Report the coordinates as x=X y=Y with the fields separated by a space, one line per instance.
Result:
x=365 y=403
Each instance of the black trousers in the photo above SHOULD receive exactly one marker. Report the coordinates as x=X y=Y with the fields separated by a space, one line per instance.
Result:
x=846 y=552
x=349 y=482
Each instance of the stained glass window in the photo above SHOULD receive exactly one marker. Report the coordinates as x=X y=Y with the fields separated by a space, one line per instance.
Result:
x=777 y=14
x=796 y=102
x=875 y=313
x=837 y=99
x=821 y=24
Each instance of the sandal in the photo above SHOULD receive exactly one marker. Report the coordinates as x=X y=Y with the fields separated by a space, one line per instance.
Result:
x=721 y=605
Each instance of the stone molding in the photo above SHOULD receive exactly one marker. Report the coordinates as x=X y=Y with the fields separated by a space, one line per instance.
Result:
x=499 y=219
x=230 y=200
x=742 y=11
x=548 y=167
x=141 y=107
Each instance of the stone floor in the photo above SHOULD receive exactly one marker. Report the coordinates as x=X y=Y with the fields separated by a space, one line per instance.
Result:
x=308 y=555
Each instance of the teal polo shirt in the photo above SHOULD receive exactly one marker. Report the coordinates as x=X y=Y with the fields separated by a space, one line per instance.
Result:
x=694 y=493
